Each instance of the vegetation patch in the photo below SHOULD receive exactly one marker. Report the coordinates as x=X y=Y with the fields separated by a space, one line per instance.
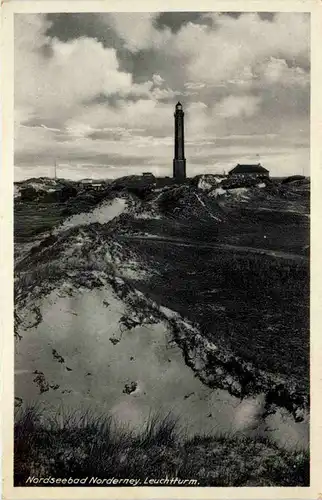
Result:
x=80 y=444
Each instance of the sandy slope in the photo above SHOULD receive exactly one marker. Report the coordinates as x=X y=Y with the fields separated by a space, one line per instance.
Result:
x=101 y=356
x=81 y=354
x=105 y=212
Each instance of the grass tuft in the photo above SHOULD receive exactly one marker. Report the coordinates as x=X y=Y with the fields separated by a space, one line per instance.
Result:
x=80 y=443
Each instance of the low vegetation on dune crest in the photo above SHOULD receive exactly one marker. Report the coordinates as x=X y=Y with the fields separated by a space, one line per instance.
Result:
x=80 y=444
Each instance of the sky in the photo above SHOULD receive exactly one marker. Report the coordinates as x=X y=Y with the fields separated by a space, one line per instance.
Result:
x=96 y=92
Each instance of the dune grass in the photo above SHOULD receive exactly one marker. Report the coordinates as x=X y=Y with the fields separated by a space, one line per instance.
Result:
x=256 y=304
x=81 y=444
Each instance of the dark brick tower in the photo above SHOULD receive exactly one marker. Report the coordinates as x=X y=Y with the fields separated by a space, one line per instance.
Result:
x=179 y=161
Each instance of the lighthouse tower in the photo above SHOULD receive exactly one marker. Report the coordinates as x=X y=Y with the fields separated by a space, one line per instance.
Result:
x=179 y=161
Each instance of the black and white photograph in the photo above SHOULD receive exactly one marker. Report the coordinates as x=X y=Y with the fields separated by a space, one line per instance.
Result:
x=162 y=249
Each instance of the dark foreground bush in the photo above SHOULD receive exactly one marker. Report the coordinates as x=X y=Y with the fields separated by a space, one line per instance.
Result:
x=80 y=445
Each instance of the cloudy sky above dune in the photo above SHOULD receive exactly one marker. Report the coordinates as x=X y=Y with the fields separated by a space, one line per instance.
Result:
x=95 y=93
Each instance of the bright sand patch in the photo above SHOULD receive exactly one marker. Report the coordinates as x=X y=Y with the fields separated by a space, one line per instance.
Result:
x=105 y=212
x=100 y=357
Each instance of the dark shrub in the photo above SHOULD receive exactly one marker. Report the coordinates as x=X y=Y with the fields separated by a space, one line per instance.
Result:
x=67 y=192
x=28 y=194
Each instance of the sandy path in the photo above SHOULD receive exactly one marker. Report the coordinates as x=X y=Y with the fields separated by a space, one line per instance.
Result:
x=224 y=246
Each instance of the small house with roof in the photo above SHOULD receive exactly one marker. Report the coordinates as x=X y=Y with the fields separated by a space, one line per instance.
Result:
x=249 y=171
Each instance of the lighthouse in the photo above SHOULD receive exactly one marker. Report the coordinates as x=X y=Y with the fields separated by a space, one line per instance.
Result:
x=179 y=161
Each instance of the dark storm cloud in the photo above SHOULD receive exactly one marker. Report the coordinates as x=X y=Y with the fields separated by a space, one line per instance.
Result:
x=143 y=63
x=147 y=62
x=69 y=26
x=265 y=16
x=140 y=64
x=234 y=15
x=175 y=20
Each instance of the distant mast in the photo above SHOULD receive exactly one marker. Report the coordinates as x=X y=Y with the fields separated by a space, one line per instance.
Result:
x=179 y=161
x=55 y=170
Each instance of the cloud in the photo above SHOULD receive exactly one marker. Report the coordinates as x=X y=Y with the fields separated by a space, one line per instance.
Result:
x=75 y=72
x=95 y=99
x=161 y=94
x=278 y=71
x=194 y=85
x=138 y=31
x=233 y=106
x=55 y=92
x=235 y=45
x=157 y=79
x=126 y=114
